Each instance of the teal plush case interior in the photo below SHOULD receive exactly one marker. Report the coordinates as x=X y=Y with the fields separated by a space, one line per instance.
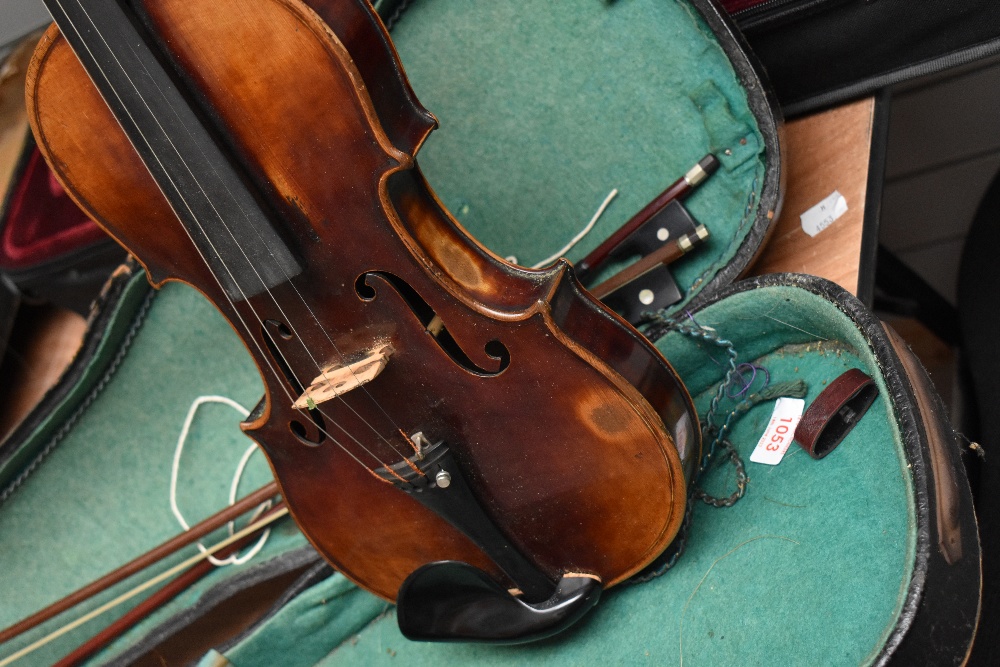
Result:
x=100 y=495
x=537 y=126
x=538 y=123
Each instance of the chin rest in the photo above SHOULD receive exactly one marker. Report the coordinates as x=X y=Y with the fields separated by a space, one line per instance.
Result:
x=454 y=601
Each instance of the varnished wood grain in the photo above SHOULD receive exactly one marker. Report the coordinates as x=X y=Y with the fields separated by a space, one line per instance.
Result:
x=825 y=152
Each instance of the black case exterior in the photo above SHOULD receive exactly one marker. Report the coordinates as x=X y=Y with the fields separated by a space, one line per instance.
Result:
x=822 y=52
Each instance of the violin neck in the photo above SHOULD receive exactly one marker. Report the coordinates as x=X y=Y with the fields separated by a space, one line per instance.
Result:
x=223 y=218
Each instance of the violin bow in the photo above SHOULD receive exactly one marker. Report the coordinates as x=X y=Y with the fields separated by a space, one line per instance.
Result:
x=158 y=599
x=156 y=554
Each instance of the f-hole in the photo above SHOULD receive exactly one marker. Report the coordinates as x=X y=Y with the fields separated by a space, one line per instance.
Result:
x=311 y=431
x=437 y=329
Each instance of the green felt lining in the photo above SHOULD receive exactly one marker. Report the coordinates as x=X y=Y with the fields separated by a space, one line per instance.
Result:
x=327 y=614
x=57 y=420
x=538 y=125
x=865 y=514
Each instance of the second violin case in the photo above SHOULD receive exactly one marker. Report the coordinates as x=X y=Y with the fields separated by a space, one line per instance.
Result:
x=49 y=250
x=868 y=555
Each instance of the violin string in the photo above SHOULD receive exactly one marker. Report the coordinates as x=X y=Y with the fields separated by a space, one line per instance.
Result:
x=288 y=279
x=235 y=310
x=285 y=319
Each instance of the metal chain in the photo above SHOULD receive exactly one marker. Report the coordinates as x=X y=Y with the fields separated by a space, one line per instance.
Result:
x=656 y=326
x=714 y=434
x=741 y=480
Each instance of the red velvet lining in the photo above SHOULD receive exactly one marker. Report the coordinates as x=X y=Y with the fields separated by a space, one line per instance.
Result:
x=42 y=221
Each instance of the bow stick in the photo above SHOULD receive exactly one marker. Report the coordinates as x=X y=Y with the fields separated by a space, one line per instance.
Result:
x=142 y=562
x=163 y=576
x=156 y=600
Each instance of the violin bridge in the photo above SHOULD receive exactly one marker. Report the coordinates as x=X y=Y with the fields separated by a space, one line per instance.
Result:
x=338 y=379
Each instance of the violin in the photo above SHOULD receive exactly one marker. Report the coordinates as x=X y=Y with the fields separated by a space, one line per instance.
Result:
x=487 y=446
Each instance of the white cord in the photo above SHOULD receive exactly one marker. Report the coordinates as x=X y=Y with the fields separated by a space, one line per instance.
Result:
x=233 y=487
x=586 y=230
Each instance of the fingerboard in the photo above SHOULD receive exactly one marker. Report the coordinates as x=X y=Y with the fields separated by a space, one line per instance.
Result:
x=221 y=215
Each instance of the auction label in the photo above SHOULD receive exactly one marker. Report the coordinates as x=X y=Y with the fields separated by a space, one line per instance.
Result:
x=779 y=432
x=823 y=214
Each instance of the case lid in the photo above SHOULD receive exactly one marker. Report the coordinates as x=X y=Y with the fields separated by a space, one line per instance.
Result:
x=544 y=109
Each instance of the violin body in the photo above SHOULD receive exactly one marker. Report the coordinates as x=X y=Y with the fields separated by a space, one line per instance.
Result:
x=574 y=433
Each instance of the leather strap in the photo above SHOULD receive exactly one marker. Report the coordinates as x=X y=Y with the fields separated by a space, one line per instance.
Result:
x=835 y=412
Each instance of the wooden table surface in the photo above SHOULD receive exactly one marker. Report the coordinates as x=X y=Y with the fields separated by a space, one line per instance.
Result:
x=824 y=152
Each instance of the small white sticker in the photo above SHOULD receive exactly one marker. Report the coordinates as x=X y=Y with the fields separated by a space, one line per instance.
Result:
x=779 y=432
x=823 y=214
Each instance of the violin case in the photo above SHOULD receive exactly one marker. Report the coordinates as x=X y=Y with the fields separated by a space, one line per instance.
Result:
x=868 y=556
x=819 y=53
x=49 y=249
